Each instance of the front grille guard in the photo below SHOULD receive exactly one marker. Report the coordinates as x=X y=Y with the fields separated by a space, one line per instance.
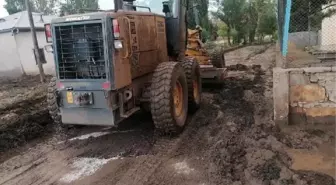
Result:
x=80 y=51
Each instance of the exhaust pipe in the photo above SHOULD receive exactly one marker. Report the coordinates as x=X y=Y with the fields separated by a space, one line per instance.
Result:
x=129 y=5
x=124 y=5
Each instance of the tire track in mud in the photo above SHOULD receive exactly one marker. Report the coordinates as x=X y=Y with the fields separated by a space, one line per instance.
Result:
x=44 y=164
x=146 y=165
x=231 y=138
x=143 y=171
x=192 y=140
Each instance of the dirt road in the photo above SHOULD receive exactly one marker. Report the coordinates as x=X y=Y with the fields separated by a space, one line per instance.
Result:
x=231 y=140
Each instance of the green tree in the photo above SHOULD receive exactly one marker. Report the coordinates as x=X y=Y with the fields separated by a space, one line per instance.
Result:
x=267 y=25
x=232 y=13
x=267 y=21
x=203 y=9
x=198 y=14
x=14 y=6
x=222 y=29
x=41 y=6
x=78 y=6
x=192 y=14
x=252 y=19
x=45 y=6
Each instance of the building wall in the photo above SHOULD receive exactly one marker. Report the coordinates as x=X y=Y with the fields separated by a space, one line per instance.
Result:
x=25 y=46
x=328 y=40
x=9 y=58
x=305 y=95
x=312 y=96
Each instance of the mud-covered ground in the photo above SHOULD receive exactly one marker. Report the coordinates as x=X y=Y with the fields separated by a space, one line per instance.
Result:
x=23 y=112
x=231 y=140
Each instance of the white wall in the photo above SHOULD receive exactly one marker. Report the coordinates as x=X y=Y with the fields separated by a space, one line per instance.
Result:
x=25 y=49
x=328 y=40
x=9 y=59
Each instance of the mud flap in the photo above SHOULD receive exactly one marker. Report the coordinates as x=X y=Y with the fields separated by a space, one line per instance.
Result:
x=58 y=98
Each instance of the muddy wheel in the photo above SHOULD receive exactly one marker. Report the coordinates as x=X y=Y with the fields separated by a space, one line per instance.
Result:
x=193 y=74
x=217 y=58
x=53 y=108
x=169 y=98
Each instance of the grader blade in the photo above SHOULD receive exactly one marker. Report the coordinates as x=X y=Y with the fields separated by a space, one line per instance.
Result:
x=212 y=75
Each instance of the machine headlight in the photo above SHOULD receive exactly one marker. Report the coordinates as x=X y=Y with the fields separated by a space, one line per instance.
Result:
x=118 y=44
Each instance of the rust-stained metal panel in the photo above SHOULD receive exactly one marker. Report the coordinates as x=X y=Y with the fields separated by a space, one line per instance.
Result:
x=145 y=46
x=147 y=43
x=122 y=67
x=146 y=32
x=161 y=39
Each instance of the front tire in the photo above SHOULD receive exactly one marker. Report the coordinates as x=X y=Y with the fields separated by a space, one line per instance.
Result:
x=217 y=58
x=194 y=80
x=169 y=98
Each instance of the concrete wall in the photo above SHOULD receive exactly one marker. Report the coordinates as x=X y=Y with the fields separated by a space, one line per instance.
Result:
x=9 y=58
x=328 y=32
x=25 y=46
x=305 y=38
x=305 y=95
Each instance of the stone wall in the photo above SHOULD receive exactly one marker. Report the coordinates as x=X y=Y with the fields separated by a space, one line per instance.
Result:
x=305 y=95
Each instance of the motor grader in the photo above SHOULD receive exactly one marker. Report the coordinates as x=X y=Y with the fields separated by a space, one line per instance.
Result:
x=212 y=63
x=110 y=64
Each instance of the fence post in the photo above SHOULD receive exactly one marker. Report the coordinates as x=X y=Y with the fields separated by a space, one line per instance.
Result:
x=286 y=28
x=36 y=46
x=280 y=75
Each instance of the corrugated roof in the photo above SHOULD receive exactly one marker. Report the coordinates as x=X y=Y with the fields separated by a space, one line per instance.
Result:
x=20 y=20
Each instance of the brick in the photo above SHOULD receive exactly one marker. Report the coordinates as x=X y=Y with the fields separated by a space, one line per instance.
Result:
x=326 y=76
x=298 y=79
x=317 y=69
x=296 y=110
x=331 y=90
x=317 y=104
x=321 y=111
x=307 y=93
x=313 y=78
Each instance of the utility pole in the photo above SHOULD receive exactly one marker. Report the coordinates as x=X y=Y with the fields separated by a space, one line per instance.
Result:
x=36 y=46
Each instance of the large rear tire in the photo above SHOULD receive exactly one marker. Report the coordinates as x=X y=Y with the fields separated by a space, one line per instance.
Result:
x=194 y=80
x=217 y=58
x=169 y=98
x=53 y=108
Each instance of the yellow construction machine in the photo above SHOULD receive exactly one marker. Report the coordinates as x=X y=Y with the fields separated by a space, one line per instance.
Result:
x=212 y=63
x=111 y=64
